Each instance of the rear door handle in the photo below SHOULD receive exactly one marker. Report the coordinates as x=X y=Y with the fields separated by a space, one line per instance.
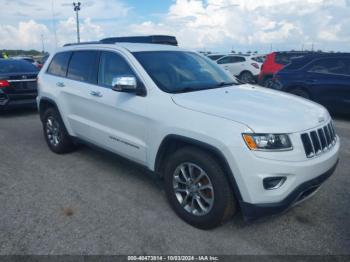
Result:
x=96 y=93
x=60 y=84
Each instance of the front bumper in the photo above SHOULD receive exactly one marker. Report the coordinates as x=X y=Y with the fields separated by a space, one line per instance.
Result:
x=304 y=190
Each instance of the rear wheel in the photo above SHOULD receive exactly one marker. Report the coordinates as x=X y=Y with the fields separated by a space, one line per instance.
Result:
x=246 y=77
x=197 y=188
x=55 y=133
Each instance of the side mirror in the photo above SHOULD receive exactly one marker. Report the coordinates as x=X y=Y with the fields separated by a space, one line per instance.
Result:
x=125 y=84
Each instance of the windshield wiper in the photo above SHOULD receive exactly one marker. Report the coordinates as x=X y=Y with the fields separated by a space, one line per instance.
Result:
x=186 y=89
x=221 y=84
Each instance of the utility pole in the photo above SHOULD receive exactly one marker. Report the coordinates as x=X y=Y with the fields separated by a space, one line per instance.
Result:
x=42 y=43
x=53 y=23
x=77 y=9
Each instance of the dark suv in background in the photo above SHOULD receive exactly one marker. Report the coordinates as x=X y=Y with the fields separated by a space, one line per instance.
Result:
x=274 y=62
x=323 y=78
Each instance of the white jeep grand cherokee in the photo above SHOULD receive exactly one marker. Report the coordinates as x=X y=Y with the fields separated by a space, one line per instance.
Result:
x=219 y=145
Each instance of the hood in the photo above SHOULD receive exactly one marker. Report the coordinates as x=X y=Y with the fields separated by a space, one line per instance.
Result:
x=262 y=110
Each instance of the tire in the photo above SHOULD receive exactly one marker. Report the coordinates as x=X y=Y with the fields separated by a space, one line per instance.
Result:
x=300 y=92
x=267 y=82
x=55 y=133
x=246 y=77
x=221 y=205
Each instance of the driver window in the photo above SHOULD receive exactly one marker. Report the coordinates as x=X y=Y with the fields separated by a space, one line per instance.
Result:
x=112 y=65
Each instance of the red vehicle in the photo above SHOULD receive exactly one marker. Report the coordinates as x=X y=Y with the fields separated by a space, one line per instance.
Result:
x=274 y=62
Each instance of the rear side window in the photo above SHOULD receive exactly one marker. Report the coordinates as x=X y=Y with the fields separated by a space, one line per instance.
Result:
x=112 y=65
x=231 y=59
x=83 y=66
x=224 y=60
x=215 y=57
x=237 y=59
x=59 y=64
x=285 y=58
x=336 y=66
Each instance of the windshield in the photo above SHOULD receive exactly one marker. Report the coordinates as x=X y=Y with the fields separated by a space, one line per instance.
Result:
x=178 y=72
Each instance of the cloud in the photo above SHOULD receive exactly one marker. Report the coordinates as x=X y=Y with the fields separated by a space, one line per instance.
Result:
x=25 y=35
x=251 y=24
x=199 y=24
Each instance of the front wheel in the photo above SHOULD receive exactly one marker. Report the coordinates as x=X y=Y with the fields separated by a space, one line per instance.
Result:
x=197 y=188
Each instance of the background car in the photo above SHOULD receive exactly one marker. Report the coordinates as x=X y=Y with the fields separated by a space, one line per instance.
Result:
x=240 y=66
x=324 y=78
x=274 y=62
x=18 y=83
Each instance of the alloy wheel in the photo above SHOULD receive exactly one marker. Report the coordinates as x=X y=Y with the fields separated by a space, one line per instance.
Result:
x=53 y=131
x=193 y=189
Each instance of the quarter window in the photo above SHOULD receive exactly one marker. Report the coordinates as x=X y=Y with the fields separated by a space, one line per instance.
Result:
x=112 y=65
x=59 y=64
x=83 y=66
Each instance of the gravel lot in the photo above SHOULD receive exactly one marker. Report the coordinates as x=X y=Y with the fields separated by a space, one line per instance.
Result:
x=92 y=202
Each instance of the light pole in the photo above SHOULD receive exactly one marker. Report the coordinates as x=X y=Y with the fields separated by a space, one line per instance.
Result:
x=42 y=44
x=77 y=9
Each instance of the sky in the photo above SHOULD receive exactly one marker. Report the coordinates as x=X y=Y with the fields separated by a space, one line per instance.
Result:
x=207 y=25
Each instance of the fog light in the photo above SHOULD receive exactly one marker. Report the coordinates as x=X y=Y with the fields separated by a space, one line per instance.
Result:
x=273 y=182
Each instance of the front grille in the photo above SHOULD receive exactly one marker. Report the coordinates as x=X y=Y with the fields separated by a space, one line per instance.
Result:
x=319 y=140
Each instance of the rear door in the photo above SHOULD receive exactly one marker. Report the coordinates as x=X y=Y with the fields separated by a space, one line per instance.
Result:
x=75 y=90
x=329 y=80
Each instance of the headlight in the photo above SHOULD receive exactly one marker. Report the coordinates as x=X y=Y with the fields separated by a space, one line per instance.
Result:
x=268 y=142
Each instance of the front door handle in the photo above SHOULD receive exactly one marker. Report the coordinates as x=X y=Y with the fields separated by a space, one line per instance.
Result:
x=96 y=93
x=60 y=84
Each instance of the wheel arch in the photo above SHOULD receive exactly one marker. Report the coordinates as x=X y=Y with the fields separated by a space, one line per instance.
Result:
x=173 y=142
x=44 y=104
x=246 y=70
x=300 y=87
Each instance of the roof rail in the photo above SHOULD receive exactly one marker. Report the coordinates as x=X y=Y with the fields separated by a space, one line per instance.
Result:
x=83 y=43
x=151 y=39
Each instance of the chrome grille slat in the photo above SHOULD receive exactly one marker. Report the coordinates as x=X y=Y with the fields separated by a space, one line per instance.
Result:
x=319 y=140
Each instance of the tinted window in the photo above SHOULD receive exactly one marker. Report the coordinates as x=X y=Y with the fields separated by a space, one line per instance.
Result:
x=14 y=66
x=112 y=65
x=231 y=60
x=330 y=66
x=260 y=59
x=83 y=66
x=237 y=59
x=59 y=64
x=177 y=71
x=224 y=60
x=29 y=60
x=285 y=58
x=215 y=57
